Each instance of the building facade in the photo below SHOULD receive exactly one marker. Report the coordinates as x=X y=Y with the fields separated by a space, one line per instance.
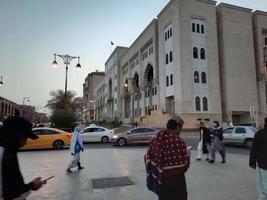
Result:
x=8 y=108
x=113 y=83
x=139 y=76
x=100 y=102
x=237 y=63
x=260 y=44
x=189 y=64
x=197 y=59
x=89 y=95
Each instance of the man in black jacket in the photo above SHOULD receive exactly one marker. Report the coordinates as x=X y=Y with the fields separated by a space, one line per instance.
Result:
x=258 y=158
x=13 y=135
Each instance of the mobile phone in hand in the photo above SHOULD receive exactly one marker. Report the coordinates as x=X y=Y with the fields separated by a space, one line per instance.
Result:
x=48 y=178
x=189 y=147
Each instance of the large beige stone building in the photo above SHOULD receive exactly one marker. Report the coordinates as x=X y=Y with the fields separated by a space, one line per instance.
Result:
x=237 y=63
x=188 y=61
x=260 y=44
x=198 y=60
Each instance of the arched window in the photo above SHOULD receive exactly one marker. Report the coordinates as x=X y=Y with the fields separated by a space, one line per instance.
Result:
x=171 y=56
x=198 y=28
x=166 y=36
x=205 y=104
x=197 y=102
x=171 y=79
x=202 y=54
x=203 y=77
x=196 y=77
x=167 y=59
x=195 y=52
x=202 y=29
x=193 y=27
x=170 y=32
x=167 y=81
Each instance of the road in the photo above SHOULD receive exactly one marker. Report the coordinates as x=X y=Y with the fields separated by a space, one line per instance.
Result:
x=232 y=181
x=189 y=141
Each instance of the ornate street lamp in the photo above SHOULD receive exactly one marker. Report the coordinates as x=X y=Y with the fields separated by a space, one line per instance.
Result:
x=67 y=59
x=26 y=99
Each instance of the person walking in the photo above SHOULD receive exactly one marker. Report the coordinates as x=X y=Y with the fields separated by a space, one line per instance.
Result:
x=230 y=124
x=167 y=160
x=13 y=135
x=204 y=142
x=76 y=147
x=217 y=142
x=258 y=160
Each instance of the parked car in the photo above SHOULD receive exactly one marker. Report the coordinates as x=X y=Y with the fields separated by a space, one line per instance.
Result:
x=48 y=138
x=95 y=133
x=246 y=124
x=136 y=135
x=240 y=135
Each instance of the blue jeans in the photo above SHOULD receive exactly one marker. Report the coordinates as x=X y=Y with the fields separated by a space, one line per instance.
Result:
x=262 y=183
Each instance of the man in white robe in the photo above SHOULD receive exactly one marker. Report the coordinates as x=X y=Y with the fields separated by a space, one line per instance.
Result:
x=204 y=142
x=76 y=147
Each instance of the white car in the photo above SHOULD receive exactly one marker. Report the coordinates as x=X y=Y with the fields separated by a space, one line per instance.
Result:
x=95 y=133
x=239 y=135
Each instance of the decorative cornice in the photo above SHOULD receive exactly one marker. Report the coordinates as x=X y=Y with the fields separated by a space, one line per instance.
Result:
x=225 y=5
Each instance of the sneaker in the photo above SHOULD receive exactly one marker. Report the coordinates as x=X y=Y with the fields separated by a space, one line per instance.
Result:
x=211 y=161
x=80 y=167
x=223 y=161
x=207 y=159
x=198 y=159
x=68 y=171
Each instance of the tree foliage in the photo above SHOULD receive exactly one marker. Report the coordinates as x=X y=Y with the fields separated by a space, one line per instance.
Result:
x=63 y=109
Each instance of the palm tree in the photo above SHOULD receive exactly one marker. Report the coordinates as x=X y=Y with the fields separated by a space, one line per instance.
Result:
x=63 y=109
x=59 y=101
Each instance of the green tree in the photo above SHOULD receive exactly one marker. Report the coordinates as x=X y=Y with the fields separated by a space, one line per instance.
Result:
x=63 y=109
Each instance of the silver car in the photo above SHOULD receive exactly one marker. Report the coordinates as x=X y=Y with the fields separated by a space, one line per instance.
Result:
x=239 y=135
x=136 y=135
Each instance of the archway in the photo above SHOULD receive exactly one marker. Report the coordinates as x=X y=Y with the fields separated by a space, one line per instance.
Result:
x=110 y=88
x=136 y=95
x=149 y=88
x=135 y=82
x=110 y=100
x=148 y=76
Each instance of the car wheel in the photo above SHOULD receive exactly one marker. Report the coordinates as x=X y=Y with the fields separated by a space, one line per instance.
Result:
x=121 y=141
x=104 y=139
x=59 y=144
x=249 y=143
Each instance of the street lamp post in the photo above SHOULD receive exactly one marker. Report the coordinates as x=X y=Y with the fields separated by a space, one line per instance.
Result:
x=25 y=100
x=67 y=59
x=129 y=87
x=1 y=81
x=38 y=113
x=92 y=101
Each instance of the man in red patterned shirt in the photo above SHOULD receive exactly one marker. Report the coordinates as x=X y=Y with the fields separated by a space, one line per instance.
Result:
x=167 y=160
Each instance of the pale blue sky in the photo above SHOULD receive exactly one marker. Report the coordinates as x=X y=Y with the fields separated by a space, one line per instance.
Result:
x=31 y=31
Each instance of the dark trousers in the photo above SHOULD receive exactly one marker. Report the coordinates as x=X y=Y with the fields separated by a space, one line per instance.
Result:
x=173 y=188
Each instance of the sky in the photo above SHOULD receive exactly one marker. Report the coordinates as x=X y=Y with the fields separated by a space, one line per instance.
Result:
x=31 y=31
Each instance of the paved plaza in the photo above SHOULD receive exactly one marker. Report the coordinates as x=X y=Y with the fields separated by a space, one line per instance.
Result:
x=231 y=181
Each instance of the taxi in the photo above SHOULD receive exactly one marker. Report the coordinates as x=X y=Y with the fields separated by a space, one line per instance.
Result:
x=48 y=138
